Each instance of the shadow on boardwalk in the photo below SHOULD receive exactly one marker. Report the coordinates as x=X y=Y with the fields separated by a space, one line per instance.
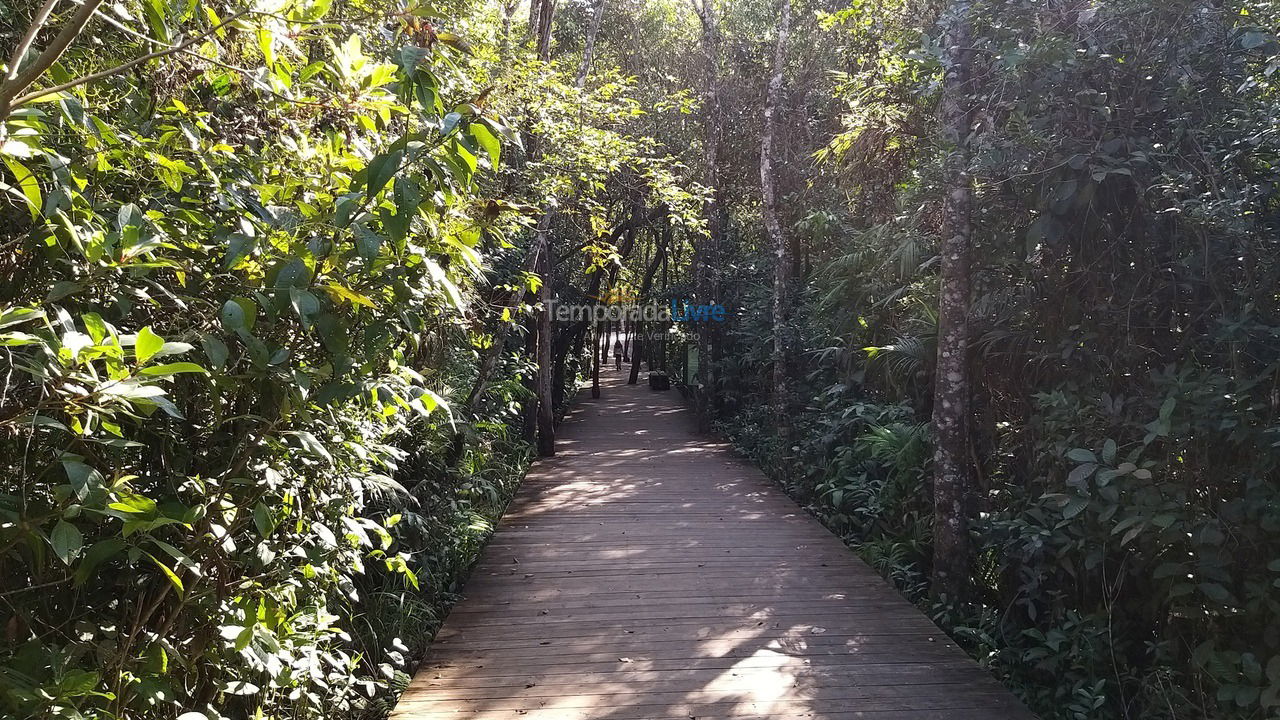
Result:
x=645 y=572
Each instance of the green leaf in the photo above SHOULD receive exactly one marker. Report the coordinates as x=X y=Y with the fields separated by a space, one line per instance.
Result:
x=28 y=185
x=1215 y=592
x=99 y=553
x=381 y=170
x=1074 y=507
x=179 y=557
x=95 y=326
x=238 y=314
x=77 y=683
x=215 y=350
x=174 y=369
x=17 y=316
x=148 y=344
x=450 y=123
x=1080 y=475
x=263 y=520
x=84 y=479
x=488 y=141
x=66 y=540
x=154 y=10
x=168 y=573
x=1082 y=455
x=312 y=445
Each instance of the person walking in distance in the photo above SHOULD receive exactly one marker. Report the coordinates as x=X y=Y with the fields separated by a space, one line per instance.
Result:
x=617 y=354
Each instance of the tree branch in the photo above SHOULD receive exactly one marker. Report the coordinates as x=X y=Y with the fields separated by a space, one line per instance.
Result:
x=37 y=24
x=117 y=69
x=47 y=58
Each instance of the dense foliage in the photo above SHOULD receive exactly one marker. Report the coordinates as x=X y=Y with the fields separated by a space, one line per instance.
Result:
x=260 y=399
x=1123 y=334
x=275 y=337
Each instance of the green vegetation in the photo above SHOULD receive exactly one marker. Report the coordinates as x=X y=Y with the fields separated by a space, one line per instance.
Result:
x=276 y=342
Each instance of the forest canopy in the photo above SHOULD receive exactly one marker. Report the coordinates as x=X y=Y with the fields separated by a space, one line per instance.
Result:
x=999 y=293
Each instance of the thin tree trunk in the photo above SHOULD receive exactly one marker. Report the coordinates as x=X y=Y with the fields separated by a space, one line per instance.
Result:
x=546 y=409
x=589 y=48
x=645 y=286
x=504 y=50
x=951 y=477
x=529 y=405
x=707 y=254
x=773 y=223
x=637 y=356
x=545 y=17
x=18 y=79
x=595 y=361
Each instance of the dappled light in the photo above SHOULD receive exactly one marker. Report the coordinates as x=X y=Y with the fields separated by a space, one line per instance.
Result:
x=696 y=592
x=639 y=359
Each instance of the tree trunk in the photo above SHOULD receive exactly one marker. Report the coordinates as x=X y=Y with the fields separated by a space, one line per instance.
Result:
x=589 y=48
x=595 y=361
x=545 y=17
x=637 y=355
x=951 y=476
x=707 y=255
x=504 y=49
x=546 y=408
x=782 y=345
x=646 y=285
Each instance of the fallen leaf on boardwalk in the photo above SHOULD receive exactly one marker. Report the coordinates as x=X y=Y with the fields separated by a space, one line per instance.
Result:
x=818 y=630
x=624 y=659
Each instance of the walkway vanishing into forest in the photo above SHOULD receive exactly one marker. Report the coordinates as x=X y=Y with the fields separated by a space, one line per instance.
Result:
x=646 y=572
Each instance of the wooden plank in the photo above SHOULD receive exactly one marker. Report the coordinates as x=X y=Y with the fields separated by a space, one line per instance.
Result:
x=646 y=573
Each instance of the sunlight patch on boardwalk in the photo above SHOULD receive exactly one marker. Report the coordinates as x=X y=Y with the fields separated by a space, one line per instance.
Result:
x=647 y=573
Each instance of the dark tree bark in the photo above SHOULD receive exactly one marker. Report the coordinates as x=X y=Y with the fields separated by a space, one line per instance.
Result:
x=951 y=469
x=707 y=255
x=782 y=343
x=545 y=19
x=637 y=355
x=645 y=287
x=546 y=407
x=595 y=361
x=589 y=46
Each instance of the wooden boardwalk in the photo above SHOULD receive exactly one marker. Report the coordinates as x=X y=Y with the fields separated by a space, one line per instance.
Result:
x=646 y=572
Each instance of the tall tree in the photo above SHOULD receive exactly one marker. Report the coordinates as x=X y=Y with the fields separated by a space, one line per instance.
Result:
x=541 y=15
x=589 y=46
x=638 y=328
x=546 y=418
x=951 y=470
x=707 y=253
x=772 y=218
